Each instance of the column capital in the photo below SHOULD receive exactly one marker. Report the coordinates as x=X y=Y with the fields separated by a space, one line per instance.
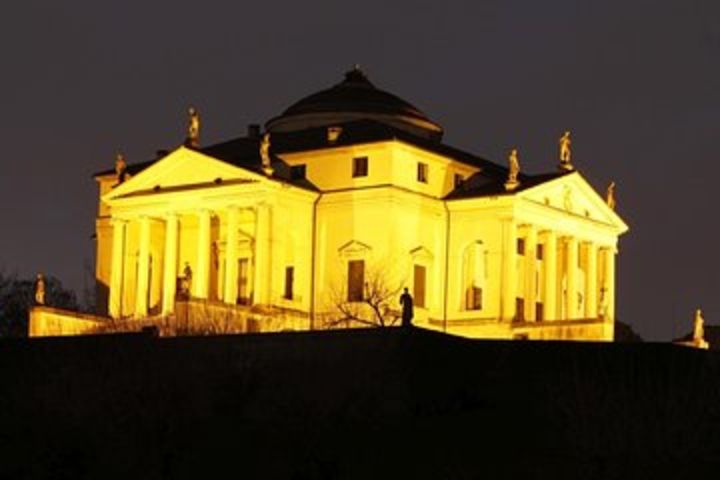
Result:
x=118 y=221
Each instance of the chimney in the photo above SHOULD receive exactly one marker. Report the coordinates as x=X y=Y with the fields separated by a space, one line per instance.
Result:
x=253 y=130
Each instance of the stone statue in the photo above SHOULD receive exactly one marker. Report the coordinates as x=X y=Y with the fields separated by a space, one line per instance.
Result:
x=193 y=133
x=120 y=167
x=565 y=153
x=265 y=154
x=186 y=281
x=40 y=289
x=513 y=171
x=698 y=328
x=610 y=196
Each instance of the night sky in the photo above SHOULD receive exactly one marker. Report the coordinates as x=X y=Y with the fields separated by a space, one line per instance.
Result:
x=637 y=82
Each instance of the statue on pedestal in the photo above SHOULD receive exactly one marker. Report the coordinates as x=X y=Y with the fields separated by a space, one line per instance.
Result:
x=513 y=171
x=186 y=281
x=265 y=154
x=193 y=133
x=698 y=338
x=120 y=167
x=40 y=289
x=610 y=196
x=565 y=152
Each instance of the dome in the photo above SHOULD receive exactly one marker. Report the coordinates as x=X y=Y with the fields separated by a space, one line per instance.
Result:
x=355 y=98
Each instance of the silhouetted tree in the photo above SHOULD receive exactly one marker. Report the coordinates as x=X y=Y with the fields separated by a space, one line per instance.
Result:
x=17 y=296
x=625 y=333
x=379 y=306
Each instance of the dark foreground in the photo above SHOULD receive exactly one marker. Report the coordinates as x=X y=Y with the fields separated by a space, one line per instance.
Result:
x=361 y=404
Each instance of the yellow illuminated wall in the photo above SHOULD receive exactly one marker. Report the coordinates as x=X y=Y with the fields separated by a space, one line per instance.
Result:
x=389 y=219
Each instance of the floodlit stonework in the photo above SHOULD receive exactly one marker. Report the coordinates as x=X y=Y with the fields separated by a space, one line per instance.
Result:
x=271 y=232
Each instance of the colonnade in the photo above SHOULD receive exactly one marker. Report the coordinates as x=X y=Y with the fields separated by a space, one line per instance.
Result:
x=599 y=291
x=201 y=261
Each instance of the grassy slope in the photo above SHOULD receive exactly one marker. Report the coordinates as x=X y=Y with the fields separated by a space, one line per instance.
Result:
x=360 y=404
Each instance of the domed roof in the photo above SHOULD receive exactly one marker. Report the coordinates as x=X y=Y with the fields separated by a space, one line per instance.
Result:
x=354 y=98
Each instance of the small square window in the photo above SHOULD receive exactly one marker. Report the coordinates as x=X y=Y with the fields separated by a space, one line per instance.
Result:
x=360 y=167
x=422 y=172
x=297 y=172
x=473 y=298
x=458 y=180
x=521 y=246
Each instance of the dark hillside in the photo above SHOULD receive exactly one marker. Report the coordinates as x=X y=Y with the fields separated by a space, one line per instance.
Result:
x=354 y=404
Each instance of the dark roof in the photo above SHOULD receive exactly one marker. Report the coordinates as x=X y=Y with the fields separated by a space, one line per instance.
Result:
x=244 y=152
x=355 y=93
x=480 y=185
x=352 y=99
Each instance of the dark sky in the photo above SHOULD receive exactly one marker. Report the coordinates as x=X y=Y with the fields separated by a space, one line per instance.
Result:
x=637 y=82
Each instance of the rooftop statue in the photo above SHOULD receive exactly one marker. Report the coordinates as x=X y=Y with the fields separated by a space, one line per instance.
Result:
x=40 y=289
x=265 y=154
x=610 y=196
x=565 y=152
x=513 y=172
x=699 y=331
x=120 y=167
x=193 y=133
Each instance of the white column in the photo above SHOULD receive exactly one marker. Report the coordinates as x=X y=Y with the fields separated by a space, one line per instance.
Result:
x=201 y=277
x=509 y=292
x=530 y=267
x=609 y=283
x=170 y=267
x=571 y=307
x=117 y=267
x=261 y=293
x=591 y=289
x=143 y=280
x=550 y=260
x=231 y=256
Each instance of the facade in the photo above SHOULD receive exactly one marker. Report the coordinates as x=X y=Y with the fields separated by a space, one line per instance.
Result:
x=350 y=192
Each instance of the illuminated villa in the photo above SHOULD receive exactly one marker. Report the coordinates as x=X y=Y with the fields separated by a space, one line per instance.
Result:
x=347 y=196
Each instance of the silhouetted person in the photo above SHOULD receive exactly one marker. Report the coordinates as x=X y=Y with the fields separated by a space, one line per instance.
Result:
x=406 y=301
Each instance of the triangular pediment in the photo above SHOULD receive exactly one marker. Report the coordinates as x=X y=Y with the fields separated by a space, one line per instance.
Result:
x=354 y=248
x=422 y=253
x=574 y=195
x=183 y=167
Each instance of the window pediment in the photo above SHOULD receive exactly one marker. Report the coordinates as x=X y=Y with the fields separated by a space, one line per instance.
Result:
x=422 y=253
x=354 y=249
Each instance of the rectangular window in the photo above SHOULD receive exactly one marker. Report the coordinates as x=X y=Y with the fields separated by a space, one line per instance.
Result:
x=356 y=280
x=243 y=297
x=360 y=167
x=473 y=298
x=297 y=172
x=422 y=172
x=458 y=180
x=519 y=309
x=289 y=280
x=419 y=286
x=539 y=252
x=521 y=246
x=539 y=312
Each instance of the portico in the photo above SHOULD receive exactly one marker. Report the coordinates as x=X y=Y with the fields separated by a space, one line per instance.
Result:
x=216 y=234
x=555 y=273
